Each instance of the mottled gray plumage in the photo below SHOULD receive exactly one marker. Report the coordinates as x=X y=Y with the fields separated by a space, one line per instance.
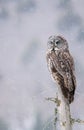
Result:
x=61 y=65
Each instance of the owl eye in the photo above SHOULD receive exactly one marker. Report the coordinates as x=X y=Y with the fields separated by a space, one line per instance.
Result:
x=51 y=42
x=57 y=42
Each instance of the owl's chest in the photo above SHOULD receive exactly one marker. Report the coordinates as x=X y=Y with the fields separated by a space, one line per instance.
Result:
x=57 y=77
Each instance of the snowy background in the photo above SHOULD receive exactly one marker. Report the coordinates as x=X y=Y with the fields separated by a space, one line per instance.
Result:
x=25 y=26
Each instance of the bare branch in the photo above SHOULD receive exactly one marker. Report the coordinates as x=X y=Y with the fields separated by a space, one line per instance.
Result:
x=64 y=112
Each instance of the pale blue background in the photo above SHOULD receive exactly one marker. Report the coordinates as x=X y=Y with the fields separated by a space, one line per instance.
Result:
x=25 y=26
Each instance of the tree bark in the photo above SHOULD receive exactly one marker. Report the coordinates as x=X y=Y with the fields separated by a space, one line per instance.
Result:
x=64 y=112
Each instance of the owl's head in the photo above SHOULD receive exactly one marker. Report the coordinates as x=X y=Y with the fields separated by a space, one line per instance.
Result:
x=57 y=43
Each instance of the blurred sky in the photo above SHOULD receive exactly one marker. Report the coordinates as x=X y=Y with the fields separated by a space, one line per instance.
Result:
x=25 y=26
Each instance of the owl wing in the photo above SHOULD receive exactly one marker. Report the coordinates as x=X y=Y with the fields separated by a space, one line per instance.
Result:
x=69 y=69
x=64 y=66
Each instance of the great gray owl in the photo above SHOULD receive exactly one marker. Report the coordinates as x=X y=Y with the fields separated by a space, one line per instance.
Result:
x=61 y=65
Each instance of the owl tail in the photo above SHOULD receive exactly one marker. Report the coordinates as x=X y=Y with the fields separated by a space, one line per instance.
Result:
x=71 y=96
x=68 y=94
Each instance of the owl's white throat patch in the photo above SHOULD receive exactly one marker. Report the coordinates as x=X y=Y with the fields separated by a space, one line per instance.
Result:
x=56 y=49
x=53 y=49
